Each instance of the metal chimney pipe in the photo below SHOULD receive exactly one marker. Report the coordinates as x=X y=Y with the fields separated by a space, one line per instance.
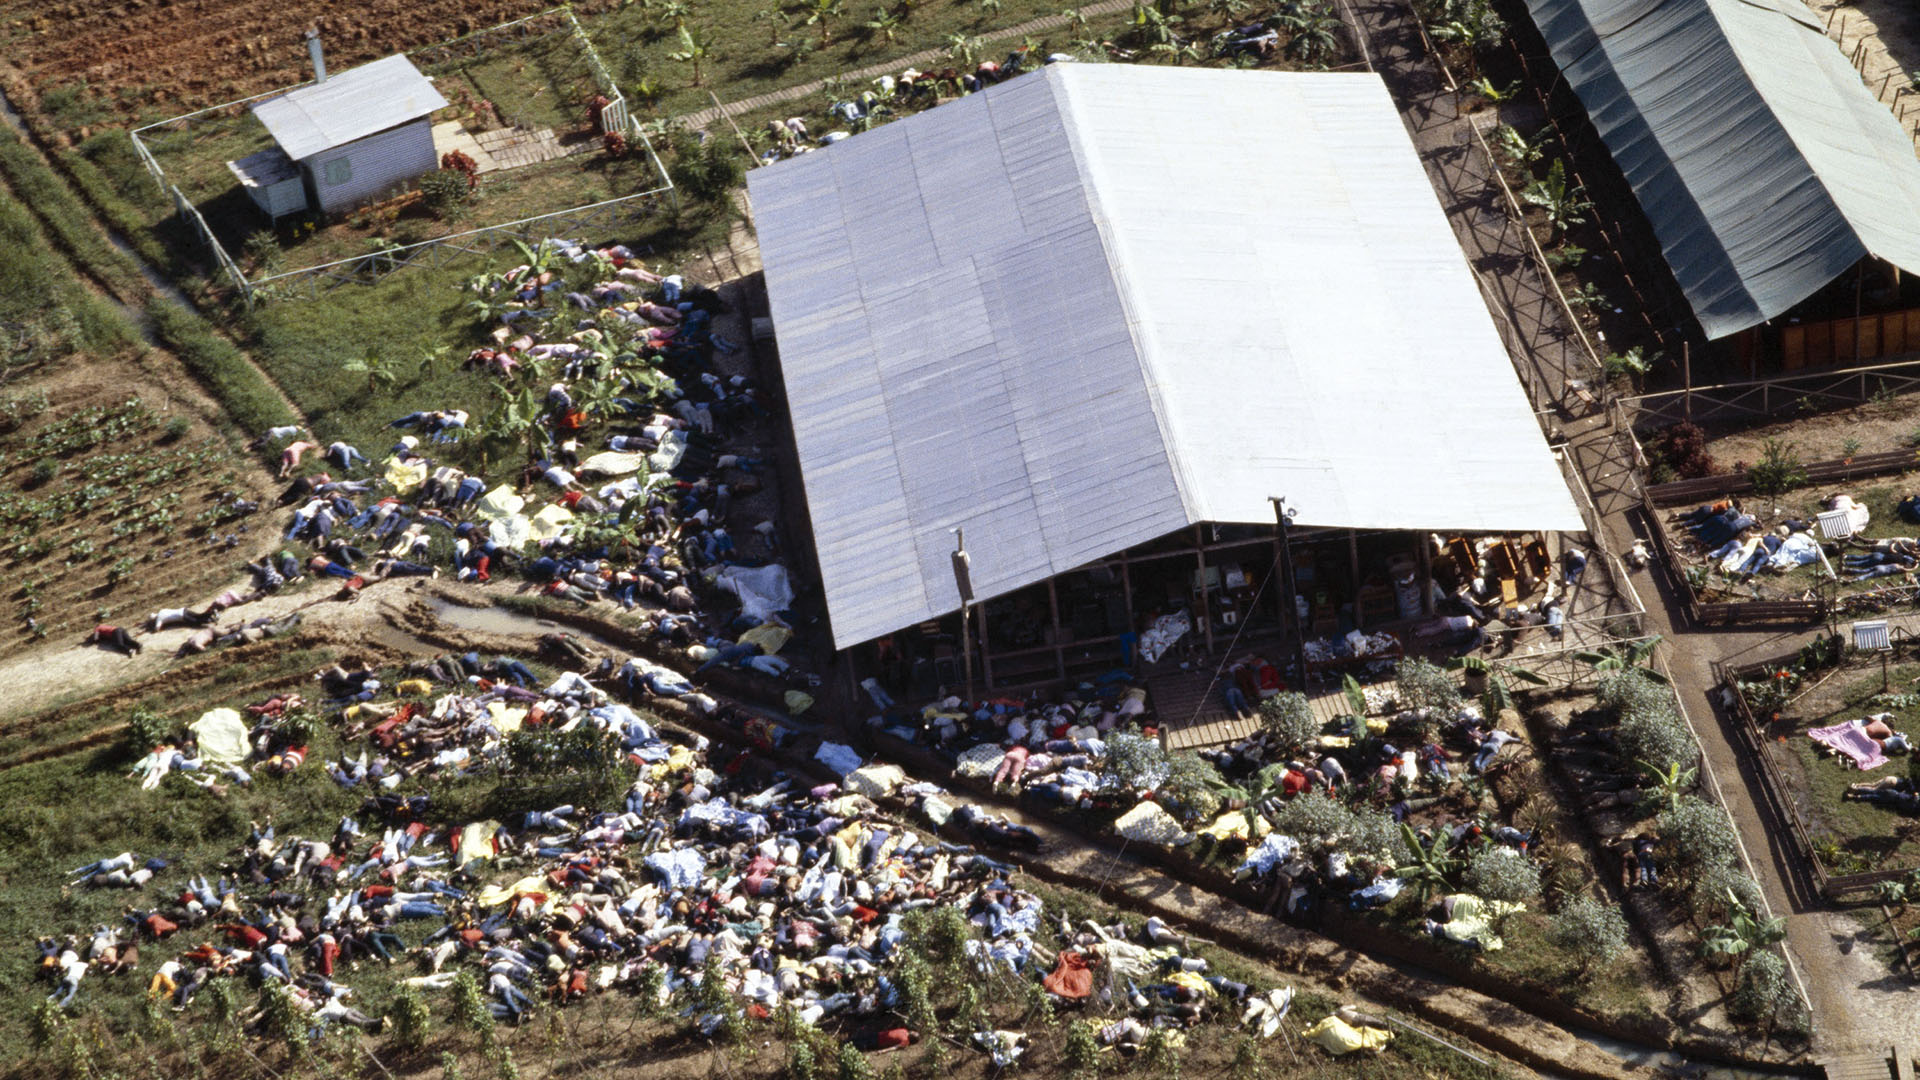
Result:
x=319 y=60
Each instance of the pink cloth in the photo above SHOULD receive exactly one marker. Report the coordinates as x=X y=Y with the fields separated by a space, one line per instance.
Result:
x=1851 y=741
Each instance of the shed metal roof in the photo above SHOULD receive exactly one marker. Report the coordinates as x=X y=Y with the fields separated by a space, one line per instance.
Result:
x=1098 y=304
x=351 y=105
x=1765 y=165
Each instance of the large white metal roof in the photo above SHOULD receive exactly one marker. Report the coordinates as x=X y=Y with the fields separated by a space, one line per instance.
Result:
x=348 y=106
x=1097 y=304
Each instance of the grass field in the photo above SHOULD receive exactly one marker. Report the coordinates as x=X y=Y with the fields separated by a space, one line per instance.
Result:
x=1864 y=836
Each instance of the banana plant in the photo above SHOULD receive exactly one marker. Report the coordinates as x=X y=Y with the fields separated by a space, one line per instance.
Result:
x=1744 y=934
x=1625 y=656
x=1495 y=695
x=378 y=369
x=1564 y=202
x=1668 y=784
x=1431 y=867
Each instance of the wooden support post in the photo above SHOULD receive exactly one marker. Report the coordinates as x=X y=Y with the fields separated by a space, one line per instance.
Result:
x=1059 y=653
x=1283 y=602
x=1126 y=597
x=1201 y=609
x=1353 y=574
x=1859 y=286
x=1426 y=576
x=1686 y=375
x=986 y=657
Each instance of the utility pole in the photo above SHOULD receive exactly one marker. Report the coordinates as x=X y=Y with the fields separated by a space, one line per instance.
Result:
x=1290 y=602
x=963 y=581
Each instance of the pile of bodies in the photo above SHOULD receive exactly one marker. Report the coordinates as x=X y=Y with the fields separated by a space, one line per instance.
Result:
x=1737 y=544
x=795 y=895
x=655 y=529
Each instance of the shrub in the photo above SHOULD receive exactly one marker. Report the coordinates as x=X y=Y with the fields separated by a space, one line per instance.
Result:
x=176 y=429
x=1081 y=1052
x=410 y=1018
x=1683 y=449
x=1501 y=873
x=1133 y=760
x=147 y=729
x=1763 y=987
x=1633 y=692
x=939 y=934
x=41 y=475
x=853 y=1063
x=1288 y=719
x=1421 y=684
x=1362 y=830
x=1658 y=738
x=1711 y=891
x=707 y=171
x=1699 y=835
x=447 y=193
x=263 y=250
x=1595 y=933
x=1191 y=784
x=1779 y=470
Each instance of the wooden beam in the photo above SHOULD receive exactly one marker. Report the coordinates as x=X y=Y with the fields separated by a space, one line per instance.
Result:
x=1353 y=571
x=1126 y=596
x=986 y=661
x=1426 y=576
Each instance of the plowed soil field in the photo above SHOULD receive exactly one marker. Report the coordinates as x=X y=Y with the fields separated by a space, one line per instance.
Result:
x=190 y=53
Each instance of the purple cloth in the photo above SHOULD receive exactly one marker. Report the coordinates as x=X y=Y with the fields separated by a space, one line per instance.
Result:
x=1849 y=739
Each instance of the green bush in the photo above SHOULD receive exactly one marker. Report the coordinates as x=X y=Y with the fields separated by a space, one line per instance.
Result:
x=1501 y=873
x=1699 y=835
x=147 y=729
x=1289 y=720
x=1595 y=933
x=1658 y=738
x=705 y=171
x=448 y=193
x=1421 y=684
x=1190 y=785
x=1779 y=470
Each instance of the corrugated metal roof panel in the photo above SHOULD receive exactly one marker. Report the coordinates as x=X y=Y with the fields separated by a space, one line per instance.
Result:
x=1104 y=303
x=348 y=106
x=1764 y=164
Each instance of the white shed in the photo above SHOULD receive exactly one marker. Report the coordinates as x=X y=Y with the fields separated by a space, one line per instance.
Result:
x=356 y=136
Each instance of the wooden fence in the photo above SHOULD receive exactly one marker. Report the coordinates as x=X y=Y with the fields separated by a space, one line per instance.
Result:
x=596 y=219
x=1772 y=397
x=1749 y=729
x=1838 y=341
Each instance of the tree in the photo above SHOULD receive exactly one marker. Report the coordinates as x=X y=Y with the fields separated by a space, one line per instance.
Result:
x=1311 y=38
x=1288 y=720
x=409 y=1018
x=1743 y=935
x=772 y=17
x=1431 y=867
x=675 y=12
x=821 y=13
x=1133 y=761
x=1150 y=26
x=960 y=48
x=1495 y=696
x=693 y=50
x=1081 y=1053
x=379 y=370
x=1595 y=933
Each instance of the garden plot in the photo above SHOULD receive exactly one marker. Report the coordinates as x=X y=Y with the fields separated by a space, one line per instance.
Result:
x=1848 y=836
x=114 y=501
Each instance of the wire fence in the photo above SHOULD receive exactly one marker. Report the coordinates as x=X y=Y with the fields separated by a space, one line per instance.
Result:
x=605 y=217
x=1758 y=398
